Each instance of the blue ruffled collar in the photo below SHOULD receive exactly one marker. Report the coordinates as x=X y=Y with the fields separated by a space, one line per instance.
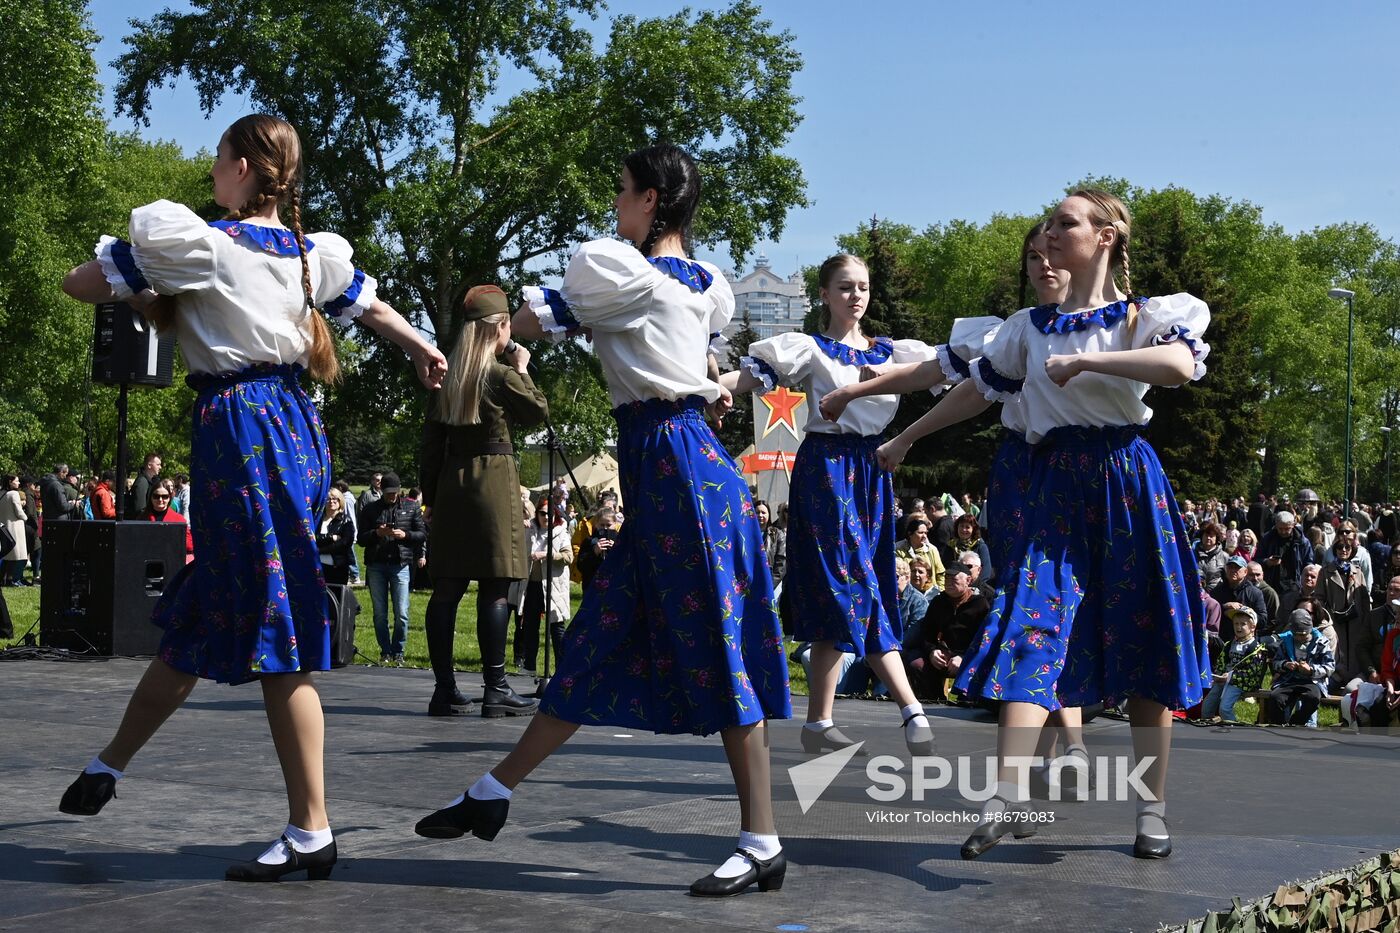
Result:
x=277 y=240
x=1048 y=319
x=687 y=271
x=878 y=353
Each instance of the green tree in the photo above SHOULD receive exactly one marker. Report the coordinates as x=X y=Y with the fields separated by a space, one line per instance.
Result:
x=442 y=188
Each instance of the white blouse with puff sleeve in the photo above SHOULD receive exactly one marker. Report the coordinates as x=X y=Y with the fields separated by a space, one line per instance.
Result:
x=651 y=319
x=238 y=284
x=1012 y=364
x=817 y=365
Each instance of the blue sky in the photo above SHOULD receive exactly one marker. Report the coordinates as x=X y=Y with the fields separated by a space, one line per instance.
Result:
x=924 y=112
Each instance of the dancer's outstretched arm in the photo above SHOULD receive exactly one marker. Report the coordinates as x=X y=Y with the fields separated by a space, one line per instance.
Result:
x=1170 y=364
x=906 y=378
x=389 y=324
x=958 y=405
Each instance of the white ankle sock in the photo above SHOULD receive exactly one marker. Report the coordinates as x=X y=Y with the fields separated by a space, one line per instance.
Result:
x=820 y=724
x=1151 y=819
x=97 y=767
x=303 y=840
x=915 y=710
x=486 y=788
x=760 y=846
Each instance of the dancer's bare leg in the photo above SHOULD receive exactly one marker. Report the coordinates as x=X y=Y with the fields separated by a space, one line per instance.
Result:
x=889 y=667
x=1070 y=719
x=1018 y=732
x=160 y=693
x=1152 y=736
x=299 y=733
x=746 y=747
x=542 y=738
x=825 y=662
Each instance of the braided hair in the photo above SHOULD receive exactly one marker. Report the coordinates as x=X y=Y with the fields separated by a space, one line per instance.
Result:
x=672 y=174
x=1110 y=211
x=273 y=151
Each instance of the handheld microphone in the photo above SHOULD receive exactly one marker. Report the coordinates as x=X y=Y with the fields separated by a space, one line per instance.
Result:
x=511 y=346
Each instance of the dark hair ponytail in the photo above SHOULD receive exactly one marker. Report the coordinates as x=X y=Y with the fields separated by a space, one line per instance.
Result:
x=672 y=173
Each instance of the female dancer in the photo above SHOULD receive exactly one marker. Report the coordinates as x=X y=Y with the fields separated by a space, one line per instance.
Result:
x=252 y=605
x=1010 y=470
x=470 y=486
x=1103 y=600
x=841 y=591
x=678 y=632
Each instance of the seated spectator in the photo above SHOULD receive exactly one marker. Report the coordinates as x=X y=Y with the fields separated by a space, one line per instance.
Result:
x=1271 y=597
x=921 y=578
x=1388 y=570
x=973 y=562
x=1302 y=664
x=954 y=619
x=1210 y=555
x=967 y=536
x=1236 y=588
x=913 y=606
x=158 y=510
x=1241 y=668
x=917 y=544
x=1386 y=710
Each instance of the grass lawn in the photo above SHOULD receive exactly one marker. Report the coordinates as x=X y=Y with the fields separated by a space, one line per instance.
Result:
x=24 y=609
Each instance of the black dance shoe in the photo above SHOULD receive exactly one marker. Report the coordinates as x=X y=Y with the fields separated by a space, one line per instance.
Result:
x=918 y=739
x=1152 y=846
x=317 y=865
x=482 y=818
x=1015 y=822
x=767 y=875
x=830 y=739
x=503 y=701
x=88 y=794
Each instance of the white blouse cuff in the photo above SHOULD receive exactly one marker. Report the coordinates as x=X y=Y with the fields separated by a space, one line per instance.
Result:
x=761 y=371
x=993 y=385
x=551 y=310
x=356 y=300
x=955 y=368
x=119 y=267
x=1199 y=348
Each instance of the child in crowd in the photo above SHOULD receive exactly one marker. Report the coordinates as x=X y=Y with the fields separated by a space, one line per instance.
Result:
x=1241 y=667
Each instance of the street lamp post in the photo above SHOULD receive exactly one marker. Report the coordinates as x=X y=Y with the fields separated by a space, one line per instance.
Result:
x=1350 y=296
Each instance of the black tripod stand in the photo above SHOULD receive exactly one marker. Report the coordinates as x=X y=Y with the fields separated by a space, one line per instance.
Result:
x=553 y=447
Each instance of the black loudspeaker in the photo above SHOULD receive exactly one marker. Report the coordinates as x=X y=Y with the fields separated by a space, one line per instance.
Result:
x=127 y=349
x=344 y=607
x=101 y=581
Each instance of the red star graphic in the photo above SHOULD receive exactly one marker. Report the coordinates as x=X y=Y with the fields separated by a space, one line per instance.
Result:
x=782 y=405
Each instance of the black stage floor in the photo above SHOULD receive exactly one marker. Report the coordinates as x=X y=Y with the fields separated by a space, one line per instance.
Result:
x=609 y=833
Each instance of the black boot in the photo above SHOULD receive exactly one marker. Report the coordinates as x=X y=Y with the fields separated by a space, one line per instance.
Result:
x=439 y=624
x=492 y=624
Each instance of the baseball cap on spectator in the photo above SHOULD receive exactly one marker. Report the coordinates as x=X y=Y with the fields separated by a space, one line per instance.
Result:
x=1237 y=611
x=1300 y=621
x=390 y=483
x=1237 y=561
x=957 y=567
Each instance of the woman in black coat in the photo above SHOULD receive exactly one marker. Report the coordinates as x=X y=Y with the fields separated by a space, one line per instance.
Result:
x=334 y=538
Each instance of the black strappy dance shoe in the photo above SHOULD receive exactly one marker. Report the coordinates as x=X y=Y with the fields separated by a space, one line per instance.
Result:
x=88 y=794
x=482 y=818
x=767 y=875
x=317 y=865
x=1016 y=822
x=1152 y=846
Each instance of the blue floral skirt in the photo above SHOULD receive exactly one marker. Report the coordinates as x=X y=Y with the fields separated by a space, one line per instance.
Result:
x=253 y=601
x=1104 y=598
x=1006 y=492
x=840 y=584
x=679 y=632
